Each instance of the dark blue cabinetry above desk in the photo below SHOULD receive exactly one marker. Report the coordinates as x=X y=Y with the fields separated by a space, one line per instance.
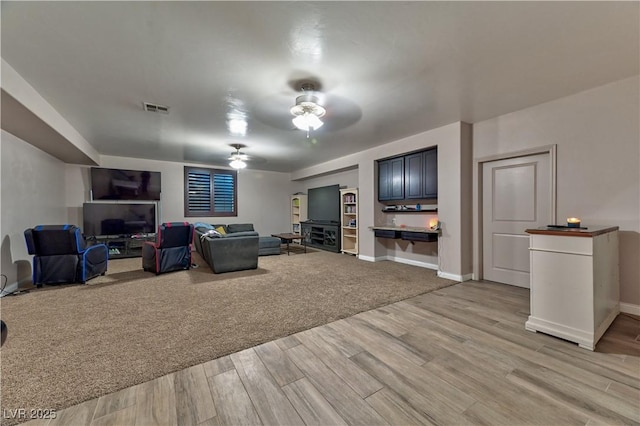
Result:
x=407 y=177
x=391 y=179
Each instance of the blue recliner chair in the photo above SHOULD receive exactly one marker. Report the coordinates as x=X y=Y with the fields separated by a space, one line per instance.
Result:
x=62 y=256
x=172 y=249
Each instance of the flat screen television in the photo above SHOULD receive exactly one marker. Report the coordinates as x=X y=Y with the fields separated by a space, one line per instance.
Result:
x=324 y=204
x=120 y=184
x=118 y=219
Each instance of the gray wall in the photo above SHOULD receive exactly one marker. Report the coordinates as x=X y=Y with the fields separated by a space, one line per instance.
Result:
x=454 y=191
x=263 y=197
x=344 y=178
x=598 y=160
x=598 y=179
x=33 y=193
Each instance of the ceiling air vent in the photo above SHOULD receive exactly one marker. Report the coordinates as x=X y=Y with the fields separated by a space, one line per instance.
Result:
x=155 y=108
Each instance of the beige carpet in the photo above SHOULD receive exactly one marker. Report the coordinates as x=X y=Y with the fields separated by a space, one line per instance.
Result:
x=71 y=343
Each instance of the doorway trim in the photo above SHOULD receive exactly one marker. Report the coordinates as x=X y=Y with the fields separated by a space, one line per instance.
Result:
x=478 y=165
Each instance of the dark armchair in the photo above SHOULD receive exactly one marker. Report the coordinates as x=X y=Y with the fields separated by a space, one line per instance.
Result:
x=172 y=249
x=62 y=256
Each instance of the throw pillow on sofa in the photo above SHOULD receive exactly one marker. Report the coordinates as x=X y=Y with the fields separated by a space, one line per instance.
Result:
x=220 y=230
x=240 y=227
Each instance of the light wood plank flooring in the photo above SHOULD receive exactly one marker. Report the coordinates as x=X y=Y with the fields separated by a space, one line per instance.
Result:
x=459 y=355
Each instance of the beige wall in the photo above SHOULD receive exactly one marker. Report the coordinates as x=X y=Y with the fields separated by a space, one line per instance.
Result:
x=263 y=197
x=466 y=196
x=598 y=179
x=454 y=193
x=451 y=180
x=44 y=127
x=598 y=160
x=33 y=193
x=344 y=178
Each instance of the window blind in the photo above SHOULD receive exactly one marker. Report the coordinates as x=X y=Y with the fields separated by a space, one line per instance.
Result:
x=210 y=192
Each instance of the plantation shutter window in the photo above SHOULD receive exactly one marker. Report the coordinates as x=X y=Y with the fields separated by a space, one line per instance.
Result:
x=199 y=192
x=210 y=192
x=223 y=193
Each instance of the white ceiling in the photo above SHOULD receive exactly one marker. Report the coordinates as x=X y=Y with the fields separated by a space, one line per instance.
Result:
x=387 y=69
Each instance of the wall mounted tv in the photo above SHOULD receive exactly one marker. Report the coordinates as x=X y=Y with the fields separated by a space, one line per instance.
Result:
x=118 y=219
x=324 y=204
x=119 y=184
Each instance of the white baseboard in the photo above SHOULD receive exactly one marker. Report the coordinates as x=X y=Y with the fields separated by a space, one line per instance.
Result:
x=413 y=262
x=455 y=277
x=441 y=274
x=367 y=258
x=399 y=260
x=10 y=288
x=628 y=308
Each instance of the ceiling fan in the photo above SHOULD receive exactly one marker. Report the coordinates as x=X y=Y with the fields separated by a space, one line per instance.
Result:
x=237 y=159
x=307 y=111
x=307 y=104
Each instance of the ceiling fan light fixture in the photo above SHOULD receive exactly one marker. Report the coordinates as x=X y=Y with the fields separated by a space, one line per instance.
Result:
x=307 y=122
x=307 y=104
x=237 y=164
x=238 y=158
x=307 y=112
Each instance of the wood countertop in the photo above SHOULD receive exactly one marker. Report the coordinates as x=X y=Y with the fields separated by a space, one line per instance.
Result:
x=588 y=231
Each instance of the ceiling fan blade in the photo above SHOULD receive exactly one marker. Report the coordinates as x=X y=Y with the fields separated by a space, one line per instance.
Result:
x=240 y=156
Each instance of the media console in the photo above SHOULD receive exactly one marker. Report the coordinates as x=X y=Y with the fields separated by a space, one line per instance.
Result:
x=123 y=246
x=322 y=235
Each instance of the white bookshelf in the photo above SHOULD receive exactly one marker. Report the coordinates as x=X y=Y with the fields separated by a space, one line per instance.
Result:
x=349 y=220
x=298 y=212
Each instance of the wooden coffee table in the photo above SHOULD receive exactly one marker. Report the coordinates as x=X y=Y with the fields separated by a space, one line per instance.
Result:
x=287 y=238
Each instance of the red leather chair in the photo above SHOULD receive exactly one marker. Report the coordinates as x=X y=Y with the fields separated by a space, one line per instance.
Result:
x=171 y=250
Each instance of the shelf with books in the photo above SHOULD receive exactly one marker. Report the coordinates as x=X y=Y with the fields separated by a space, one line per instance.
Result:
x=298 y=211
x=349 y=220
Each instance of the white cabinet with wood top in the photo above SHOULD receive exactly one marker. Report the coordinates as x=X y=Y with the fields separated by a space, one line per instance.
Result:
x=574 y=282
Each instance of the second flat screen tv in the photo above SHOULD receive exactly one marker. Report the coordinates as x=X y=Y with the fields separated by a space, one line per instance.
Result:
x=118 y=219
x=324 y=204
x=120 y=184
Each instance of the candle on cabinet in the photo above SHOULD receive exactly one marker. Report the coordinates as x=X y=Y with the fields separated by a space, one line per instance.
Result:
x=573 y=222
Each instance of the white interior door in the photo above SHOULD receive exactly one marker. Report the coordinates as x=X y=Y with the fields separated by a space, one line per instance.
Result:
x=516 y=195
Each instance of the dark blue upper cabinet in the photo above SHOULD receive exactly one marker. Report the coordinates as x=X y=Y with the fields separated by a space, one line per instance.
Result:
x=391 y=179
x=384 y=189
x=413 y=176
x=413 y=182
x=430 y=174
x=397 y=179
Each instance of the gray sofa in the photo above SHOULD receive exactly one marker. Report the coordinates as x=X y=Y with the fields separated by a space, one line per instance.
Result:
x=268 y=246
x=235 y=250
